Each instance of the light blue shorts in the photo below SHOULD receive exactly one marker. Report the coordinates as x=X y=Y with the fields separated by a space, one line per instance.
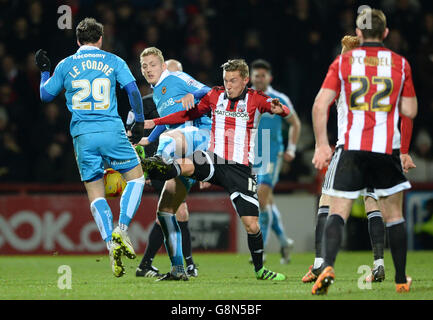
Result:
x=93 y=150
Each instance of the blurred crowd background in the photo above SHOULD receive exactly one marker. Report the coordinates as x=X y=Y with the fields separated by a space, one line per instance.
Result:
x=299 y=37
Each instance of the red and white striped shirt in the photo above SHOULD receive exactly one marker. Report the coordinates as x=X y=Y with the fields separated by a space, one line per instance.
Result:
x=370 y=80
x=234 y=121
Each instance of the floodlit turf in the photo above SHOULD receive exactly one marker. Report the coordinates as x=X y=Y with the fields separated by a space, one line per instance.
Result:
x=221 y=276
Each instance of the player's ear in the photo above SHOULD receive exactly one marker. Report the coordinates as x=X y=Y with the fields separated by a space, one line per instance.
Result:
x=100 y=42
x=79 y=44
x=359 y=34
x=246 y=80
x=164 y=66
x=385 y=33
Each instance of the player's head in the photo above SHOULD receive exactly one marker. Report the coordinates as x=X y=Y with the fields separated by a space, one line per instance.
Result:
x=235 y=76
x=371 y=25
x=152 y=64
x=173 y=65
x=261 y=74
x=89 y=32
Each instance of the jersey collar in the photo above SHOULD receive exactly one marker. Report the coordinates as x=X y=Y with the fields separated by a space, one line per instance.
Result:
x=86 y=47
x=240 y=97
x=164 y=75
x=372 y=44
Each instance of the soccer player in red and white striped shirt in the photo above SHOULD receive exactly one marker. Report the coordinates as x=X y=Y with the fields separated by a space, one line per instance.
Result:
x=374 y=84
x=235 y=111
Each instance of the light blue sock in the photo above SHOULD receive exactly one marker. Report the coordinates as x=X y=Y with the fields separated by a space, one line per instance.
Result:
x=130 y=201
x=277 y=226
x=166 y=147
x=173 y=237
x=265 y=220
x=101 y=212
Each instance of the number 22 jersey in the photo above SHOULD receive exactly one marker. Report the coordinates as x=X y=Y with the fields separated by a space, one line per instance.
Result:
x=370 y=81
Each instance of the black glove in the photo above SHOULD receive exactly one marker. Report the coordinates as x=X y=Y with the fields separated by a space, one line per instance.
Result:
x=137 y=132
x=42 y=60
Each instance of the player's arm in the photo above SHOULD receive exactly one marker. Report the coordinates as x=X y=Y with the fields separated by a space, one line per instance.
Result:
x=182 y=116
x=326 y=96
x=188 y=101
x=49 y=87
x=406 y=127
x=272 y=106
x=408 y=105
x=293 y=136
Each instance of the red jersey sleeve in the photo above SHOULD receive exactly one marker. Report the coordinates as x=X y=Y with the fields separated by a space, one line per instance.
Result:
x=332 y=80
x=406 y=127
x=408 y=87
x=264 y=104
x=201 y=108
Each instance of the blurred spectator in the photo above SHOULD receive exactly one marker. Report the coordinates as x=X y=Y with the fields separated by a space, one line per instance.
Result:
x=299 y=37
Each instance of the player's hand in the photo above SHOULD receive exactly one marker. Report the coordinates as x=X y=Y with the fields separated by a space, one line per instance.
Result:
x=187 y=101
x=149 y=124
x=144 y=141
x=407 y=162
x=42 y=60
x=137 y=132
x=289 y=156
x=276 y=106
x=322 y=156
x=204 y=185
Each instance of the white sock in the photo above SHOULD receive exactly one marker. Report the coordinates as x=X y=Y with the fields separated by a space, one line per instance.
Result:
x=317 y=262
x=378 y=262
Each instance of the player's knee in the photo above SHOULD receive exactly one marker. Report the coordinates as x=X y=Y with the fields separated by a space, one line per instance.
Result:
x=166 y=146
x=202 y=166
x=182 y=213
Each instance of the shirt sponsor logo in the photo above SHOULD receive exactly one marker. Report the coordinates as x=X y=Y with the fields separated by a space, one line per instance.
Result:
x=167 y=103
x=233 y=114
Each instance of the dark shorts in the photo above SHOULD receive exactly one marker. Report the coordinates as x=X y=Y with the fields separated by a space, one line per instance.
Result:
x=354 y=173
x=237 y=179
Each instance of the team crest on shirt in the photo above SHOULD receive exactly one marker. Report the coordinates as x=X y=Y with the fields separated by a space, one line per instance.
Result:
x=241 y=106
x=164 y=90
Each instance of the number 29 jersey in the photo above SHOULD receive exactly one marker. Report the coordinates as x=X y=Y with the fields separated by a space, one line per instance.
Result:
x=370 y=81
x=89 y=77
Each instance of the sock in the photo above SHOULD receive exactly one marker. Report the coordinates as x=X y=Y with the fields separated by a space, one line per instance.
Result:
x=277 y=226
x=173 y=237
x=101 y=212
x=398 y=245
x=255 y=244
x=154 y=242
x=265 y=222
x=376 y=229
x=130 y=200
x=332 y=237
x=166 y=147
x=318 y=263
x=322 y=215
x=186 y=242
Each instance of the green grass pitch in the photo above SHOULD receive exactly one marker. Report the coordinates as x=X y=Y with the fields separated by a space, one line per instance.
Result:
x=221 y=277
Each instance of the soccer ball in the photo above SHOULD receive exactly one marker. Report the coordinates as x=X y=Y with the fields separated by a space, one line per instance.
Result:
x=114 y=183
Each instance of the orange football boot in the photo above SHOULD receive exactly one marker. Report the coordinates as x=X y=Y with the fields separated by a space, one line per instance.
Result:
x=325 y=279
